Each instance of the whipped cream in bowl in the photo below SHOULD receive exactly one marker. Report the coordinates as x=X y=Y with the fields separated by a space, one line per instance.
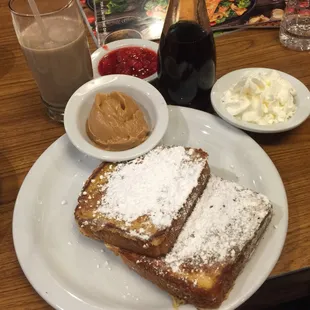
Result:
x=261 y=100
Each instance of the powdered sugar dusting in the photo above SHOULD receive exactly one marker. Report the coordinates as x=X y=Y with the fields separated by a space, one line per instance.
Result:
x=224 y=220
x=156 y=186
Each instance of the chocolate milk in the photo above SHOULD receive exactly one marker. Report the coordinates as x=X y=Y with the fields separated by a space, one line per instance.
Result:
x=60 y=65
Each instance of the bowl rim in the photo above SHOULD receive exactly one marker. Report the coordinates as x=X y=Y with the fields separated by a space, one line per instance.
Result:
x=302 y=97
x=97 y=55
x=77 y=100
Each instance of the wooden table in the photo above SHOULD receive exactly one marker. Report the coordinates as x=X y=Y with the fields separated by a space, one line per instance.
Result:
x=25 y=132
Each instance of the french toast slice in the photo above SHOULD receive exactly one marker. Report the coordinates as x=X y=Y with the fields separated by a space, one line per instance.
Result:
x=216 y=242
x=141 y=205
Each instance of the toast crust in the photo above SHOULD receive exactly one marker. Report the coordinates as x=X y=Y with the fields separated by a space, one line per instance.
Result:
x=207 y=283
x=95 y=225
x=218 y=280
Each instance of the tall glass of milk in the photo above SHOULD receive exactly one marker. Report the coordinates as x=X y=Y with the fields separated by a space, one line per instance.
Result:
x=59 y=56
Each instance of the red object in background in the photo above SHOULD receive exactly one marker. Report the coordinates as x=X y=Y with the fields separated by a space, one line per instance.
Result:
x=136 y=61
x=91 y=19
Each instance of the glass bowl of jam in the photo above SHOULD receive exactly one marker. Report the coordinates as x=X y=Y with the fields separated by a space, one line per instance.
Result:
x=134 y=57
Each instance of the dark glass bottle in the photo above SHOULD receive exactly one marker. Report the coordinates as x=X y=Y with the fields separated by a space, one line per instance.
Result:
x=186 y=56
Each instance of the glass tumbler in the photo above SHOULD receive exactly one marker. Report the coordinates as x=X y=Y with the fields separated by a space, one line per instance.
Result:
x=295 y=26
x=57 y=55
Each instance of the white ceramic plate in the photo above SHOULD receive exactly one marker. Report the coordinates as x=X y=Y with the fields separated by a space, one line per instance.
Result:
x=302 y=102
x=71 y=271
x=100 y=52
x=151 y=102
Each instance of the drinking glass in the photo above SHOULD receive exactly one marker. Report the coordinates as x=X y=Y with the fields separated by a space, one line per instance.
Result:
x=295 y=26
x=57 y=54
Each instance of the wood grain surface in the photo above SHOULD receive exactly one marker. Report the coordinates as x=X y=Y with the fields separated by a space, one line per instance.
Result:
x=25 y=132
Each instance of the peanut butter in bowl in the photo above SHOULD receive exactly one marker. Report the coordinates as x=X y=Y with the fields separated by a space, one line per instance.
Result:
x=116 y=118
x=116 y=122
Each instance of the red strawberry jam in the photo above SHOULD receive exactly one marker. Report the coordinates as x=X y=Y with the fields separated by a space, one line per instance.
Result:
x=136 y=61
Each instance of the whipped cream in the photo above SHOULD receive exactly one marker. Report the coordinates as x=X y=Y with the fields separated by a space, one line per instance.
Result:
x=261 y=97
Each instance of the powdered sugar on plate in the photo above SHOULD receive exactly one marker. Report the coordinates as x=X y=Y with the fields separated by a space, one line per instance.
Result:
x=226 y=217
x=156 y=186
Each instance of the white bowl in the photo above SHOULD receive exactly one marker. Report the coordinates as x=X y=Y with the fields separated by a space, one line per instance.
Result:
x=302 y=102
x=147 y=97
x=100 y=52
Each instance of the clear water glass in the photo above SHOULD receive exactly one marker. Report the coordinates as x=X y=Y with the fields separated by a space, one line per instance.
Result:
x=295 y=26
